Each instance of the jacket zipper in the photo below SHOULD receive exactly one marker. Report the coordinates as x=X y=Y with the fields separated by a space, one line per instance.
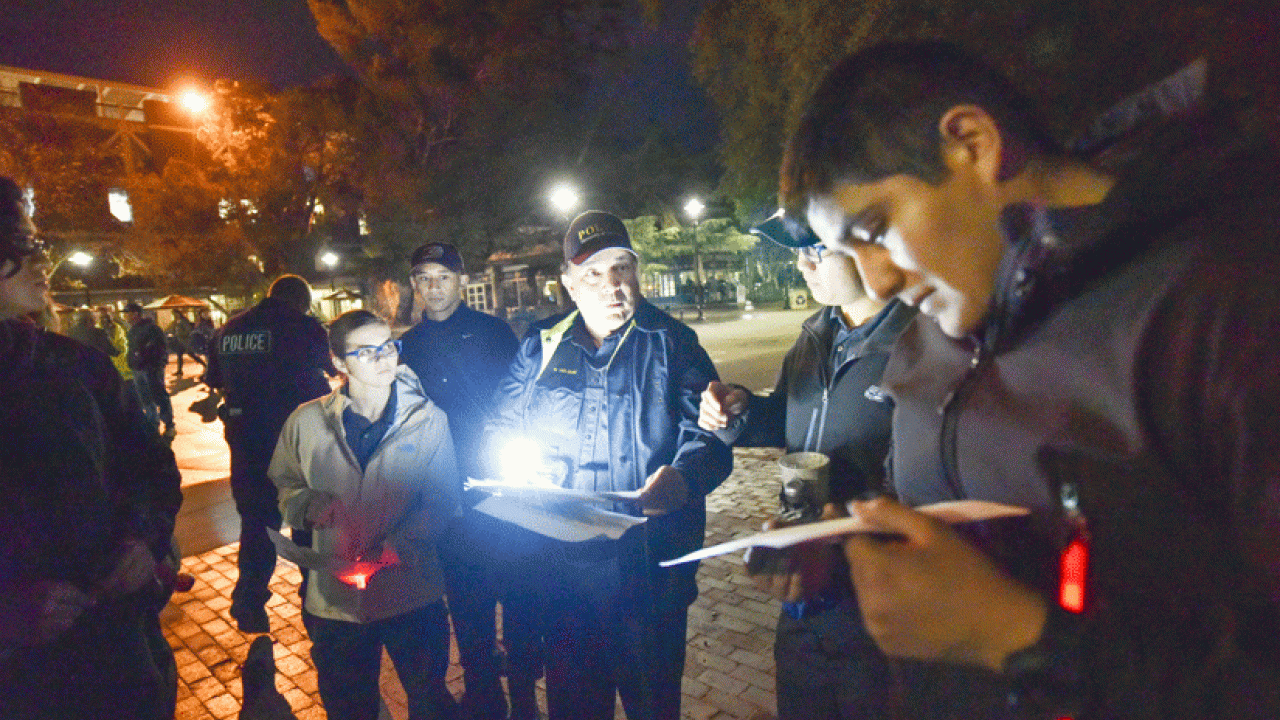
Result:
x=828 y=376
x=950 y=411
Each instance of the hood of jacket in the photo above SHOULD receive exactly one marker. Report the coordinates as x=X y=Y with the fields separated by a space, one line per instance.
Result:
x=409 y=394
x=1195 y=171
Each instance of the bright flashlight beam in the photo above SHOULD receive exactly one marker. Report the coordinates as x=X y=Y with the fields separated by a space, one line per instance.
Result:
x=520 y=461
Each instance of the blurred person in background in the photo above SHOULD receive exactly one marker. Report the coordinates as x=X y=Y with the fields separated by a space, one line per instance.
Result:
x=267 y=361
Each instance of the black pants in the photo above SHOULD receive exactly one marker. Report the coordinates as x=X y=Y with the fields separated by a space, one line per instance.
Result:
x=257 y=503
x=602 y=643
x=112 y=664
x=829 y=667
x=479 y=575
x=181 y=348
x=348 y=658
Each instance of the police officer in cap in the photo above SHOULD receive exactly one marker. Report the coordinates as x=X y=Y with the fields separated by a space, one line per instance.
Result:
x=267 y=360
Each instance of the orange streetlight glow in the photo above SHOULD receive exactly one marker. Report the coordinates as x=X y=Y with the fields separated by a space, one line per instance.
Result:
x=193 y=101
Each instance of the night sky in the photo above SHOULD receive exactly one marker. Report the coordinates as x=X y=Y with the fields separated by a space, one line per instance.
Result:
x=163 y=43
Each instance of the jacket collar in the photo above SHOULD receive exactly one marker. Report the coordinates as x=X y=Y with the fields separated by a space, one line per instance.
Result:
x=409 y=396
x=890 y=322
x=1196 y=167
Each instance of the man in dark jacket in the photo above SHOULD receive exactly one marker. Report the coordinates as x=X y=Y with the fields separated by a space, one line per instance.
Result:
x=1092 y=353
x=460 y=355
x=827 y=399
x=147 y=356
x=90 y=494
x=268 y=360
x=85 y=331
x=610 y=395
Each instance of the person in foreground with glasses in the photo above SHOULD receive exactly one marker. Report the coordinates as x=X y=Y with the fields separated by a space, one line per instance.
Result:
x=90 y=495
x=369 y=469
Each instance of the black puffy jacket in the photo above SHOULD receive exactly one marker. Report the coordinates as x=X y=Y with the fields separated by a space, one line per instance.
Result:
x=845 y=406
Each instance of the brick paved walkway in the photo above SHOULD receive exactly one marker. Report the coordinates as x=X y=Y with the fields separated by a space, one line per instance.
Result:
x=728 y=671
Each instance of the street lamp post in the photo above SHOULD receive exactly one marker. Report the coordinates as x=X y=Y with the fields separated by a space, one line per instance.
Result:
x=694 y=208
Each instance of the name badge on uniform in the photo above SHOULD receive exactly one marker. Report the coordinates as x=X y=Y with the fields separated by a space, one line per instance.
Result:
x=257 y=341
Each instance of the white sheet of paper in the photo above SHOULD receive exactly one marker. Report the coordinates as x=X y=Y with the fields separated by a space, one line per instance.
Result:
x=568 y=519
x=550 y=493
x=954 y=512
x=298 y=555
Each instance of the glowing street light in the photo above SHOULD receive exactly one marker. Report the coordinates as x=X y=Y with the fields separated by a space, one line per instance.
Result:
x=694 y=208
x=565 y=198
x=194 y=101
x=330 y=259
x=82 y=260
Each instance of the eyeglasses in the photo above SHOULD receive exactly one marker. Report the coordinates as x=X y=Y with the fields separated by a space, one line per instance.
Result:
x=813 y=253
x=374 y=353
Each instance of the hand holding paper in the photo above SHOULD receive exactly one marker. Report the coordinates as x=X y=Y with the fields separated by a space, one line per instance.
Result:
x=931 y=595
x=797 y=572
x=957 y=511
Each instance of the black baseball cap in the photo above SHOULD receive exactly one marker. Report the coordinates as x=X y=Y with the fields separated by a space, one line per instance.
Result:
x=593 y=231
x=438 y=253
x=786 y=231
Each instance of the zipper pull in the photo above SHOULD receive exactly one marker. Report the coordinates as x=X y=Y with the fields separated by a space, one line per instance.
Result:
x=974 y=362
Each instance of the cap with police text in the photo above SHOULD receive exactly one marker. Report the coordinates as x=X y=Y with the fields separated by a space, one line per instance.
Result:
x=593 y=231
x=786 y=231
x=439 y=253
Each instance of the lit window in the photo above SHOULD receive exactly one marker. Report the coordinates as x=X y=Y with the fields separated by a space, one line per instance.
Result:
x=118 y=201
x=30 y=196
x=224 y=208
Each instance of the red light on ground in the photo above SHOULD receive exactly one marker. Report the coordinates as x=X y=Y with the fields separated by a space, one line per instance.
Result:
x=1073 y=566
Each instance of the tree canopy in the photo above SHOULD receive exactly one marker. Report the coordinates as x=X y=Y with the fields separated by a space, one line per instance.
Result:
x=1075 y=59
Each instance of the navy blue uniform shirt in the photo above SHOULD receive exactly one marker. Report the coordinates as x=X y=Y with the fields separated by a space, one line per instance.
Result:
x=459 y=362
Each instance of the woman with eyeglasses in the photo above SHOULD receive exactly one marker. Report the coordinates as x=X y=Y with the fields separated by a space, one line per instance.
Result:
x=370 y=470
x=89 y=496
